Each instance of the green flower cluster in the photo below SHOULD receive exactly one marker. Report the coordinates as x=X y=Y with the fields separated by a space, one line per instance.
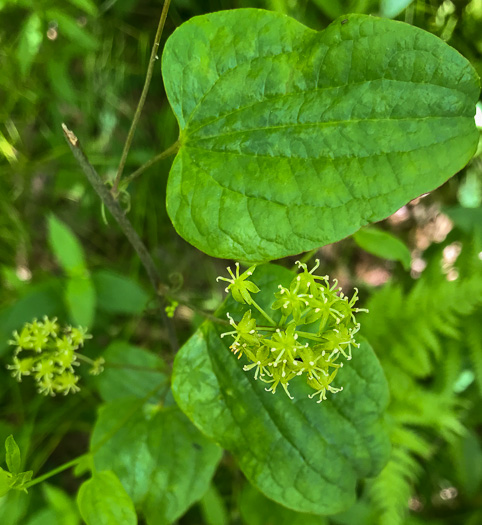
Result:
x=48 y=353
x=314 y=334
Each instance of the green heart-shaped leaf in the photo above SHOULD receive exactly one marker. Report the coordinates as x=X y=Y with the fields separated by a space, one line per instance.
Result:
x=304 y=455
x=162 y=460
x=291 y=138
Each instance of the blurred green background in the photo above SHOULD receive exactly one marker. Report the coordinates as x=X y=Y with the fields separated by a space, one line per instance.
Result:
x=83 y=62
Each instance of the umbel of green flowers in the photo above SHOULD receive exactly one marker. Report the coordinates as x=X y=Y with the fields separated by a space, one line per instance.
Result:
x=314 y=336
x=49 y=354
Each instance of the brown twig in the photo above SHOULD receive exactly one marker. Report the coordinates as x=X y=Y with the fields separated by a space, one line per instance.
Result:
x=125 y=225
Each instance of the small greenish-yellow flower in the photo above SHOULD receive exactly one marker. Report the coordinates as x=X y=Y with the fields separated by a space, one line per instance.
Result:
x=322 y=385
x=46 y=386
x=66 y=383
x=22 y=341
x=239 y=285
x=290 y=300
x=284 y=344
x=97 y=366
x=39 y=340
x=244 y=333
x=64 y=344
x=261 y=359
x=79 y=335
x=65 y=359
x=51 y=327
x=280 y=376
x=21 y=367
x=44 y=367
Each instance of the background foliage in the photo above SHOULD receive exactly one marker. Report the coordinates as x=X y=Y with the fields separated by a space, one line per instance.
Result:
x=83 y=62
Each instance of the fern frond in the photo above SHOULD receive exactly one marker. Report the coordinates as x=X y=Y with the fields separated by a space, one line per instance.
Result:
x=392 y=489
x=473 y=344
x=412 y=328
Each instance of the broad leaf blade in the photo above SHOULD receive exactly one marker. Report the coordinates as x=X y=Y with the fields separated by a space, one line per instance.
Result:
x=303 y=455
x=162 y=460
x=291 y=139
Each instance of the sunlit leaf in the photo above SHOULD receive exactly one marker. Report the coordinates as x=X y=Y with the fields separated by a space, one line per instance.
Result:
x=29 y=44
x=80 y=299
x=66 y=248
x=383 y=244
x=12 y=455
x=291 y=138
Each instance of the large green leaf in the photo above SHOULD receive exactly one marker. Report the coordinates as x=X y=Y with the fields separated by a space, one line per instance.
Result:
x=303 y=455
x=291 y=138
x=162 y=460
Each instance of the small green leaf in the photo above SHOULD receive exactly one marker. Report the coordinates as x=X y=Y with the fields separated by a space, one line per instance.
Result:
x=130 y=372
x=291 y=138
x=66 y=248
x=12 y=455
x=392 y=8
x=62 y=504
x=163 y=461
x=213 y=508
x=29 y=43
x=80 y=299
x=20 y=480
x=103 y=500
x=384 y=245
x=5 y=482
x=304 y=455
x=118 y=294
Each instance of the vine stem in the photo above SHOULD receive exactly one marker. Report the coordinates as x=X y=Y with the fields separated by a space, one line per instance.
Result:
x=145 y=89
x=55 y=471
x=171 y=150
x=125 y=225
